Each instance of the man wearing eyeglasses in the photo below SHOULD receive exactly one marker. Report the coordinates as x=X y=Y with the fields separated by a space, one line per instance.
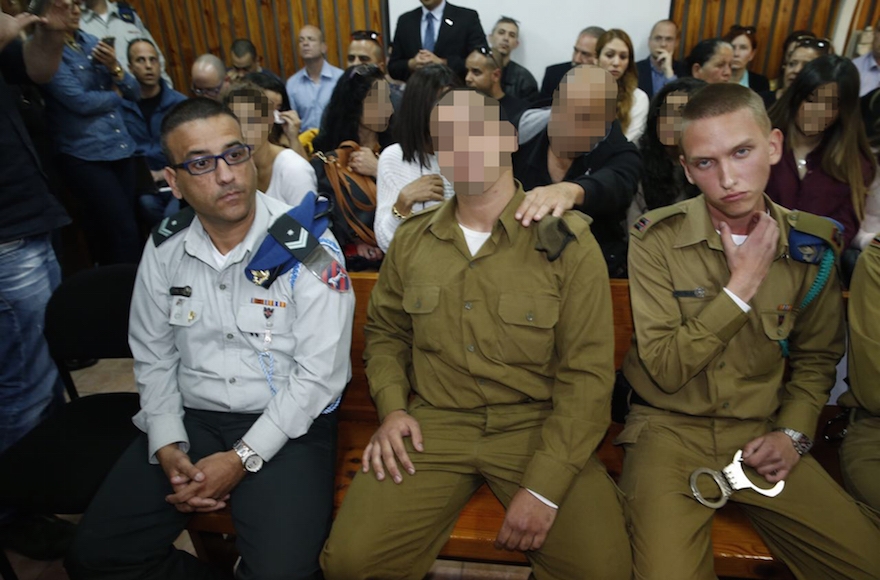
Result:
x=869 y=66
x=209 y=77
x=239 y=364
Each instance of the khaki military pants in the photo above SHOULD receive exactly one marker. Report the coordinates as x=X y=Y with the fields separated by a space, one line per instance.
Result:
x=388 y=531
x=860 y=460
x=813 y=526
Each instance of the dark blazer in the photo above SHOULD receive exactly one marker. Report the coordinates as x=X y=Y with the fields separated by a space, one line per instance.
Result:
x=552 y=77
x=758 y=82
x=460 y=33
x=647 y=84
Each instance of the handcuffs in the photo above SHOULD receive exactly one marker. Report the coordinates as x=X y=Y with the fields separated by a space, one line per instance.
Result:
x=729 y=480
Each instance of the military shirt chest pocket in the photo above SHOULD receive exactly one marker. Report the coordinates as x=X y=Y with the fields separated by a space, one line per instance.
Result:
x=185 y=311
x=527 y=333
x=257 y=319
x=422 y=304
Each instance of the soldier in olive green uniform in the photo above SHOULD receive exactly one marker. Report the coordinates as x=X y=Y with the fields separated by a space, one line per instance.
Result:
x=860 y=452
x=490 y=357
x=718 y=299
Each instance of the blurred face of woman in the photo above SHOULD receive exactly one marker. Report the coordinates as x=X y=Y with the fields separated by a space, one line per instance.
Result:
x=255 y=125
x=377 y=107
x=717 y=68
x=275 y=100
x=819 y=110
x=615 y=58
x=743 y=52
x=71 y=19
x=800 y=56
x=669 y=122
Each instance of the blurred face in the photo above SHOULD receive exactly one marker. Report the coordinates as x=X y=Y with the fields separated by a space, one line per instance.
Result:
x=743 y=52
x=669 y=122
x=365 y=52
x=275 y=100
x=71 y=20
x=255 y=117
x=225 y=196
x=504 y=39
x=582 y=112
x=480 y=75
x=717 y=68
x=472 y=145
x=311 y=43
x=242 y=65
x=729 y=157
x=377 y=107
x=207 y=82
x=615 y=58
x=819 y=111
x=800 y=56
x=664 y=37
x=584 y=50
x=143 y=62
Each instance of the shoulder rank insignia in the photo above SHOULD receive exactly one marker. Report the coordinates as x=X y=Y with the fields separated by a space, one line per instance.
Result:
x=650 y=219
x=126 y=12
x=810 y=234
x=172 y=225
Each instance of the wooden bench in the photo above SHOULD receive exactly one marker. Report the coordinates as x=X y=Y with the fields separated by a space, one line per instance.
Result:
x=738 y=549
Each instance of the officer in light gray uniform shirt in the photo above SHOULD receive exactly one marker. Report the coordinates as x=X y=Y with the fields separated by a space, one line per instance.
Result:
x=241 y=350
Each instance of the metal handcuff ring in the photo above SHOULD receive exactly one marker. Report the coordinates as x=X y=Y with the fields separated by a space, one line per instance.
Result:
x=729 y=480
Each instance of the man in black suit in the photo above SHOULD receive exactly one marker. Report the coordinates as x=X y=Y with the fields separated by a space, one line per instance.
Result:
x=584 y=53
x=438 y=32
x=660 y=67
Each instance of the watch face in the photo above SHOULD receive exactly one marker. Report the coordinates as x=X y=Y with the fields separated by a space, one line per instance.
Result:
x=253 y=463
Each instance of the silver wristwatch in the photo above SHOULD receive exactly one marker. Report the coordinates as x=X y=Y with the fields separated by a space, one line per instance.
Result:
x=802 y=443
x=250 y=461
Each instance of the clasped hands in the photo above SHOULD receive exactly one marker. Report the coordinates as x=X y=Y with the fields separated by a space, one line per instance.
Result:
x=203 y=487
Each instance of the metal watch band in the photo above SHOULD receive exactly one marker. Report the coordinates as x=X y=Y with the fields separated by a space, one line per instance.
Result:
x=802 y=443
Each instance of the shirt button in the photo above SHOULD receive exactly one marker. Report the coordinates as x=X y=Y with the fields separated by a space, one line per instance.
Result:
x=269 y=324
x=229 y=336
x=117 y=130
x=780 y=332
x=418 y=303
x=112 y=116
x=530 y=317
x=232 y=381
x=481 y=382
x=468 y=305
x=471 y=348
x=472 y=265
x=223 y=286
x=726 y=405
x=722 y=364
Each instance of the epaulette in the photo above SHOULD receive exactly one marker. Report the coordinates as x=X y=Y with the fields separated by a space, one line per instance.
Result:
x=820 y=227
x=555 y=233
x=647 y=221
x=172 y=224
x=126 y=12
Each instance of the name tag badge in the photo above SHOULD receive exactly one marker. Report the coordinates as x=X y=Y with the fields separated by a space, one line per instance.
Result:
x=698 y=292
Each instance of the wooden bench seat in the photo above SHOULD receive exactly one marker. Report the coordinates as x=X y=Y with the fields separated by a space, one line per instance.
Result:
x=738 y=550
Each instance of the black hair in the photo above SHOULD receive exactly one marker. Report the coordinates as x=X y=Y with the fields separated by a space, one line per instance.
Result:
x=412 y=128
x=506 y=20
x=269 y=83
x=245 y=90
x=663 y=179
x=342 y=116
x=193 y=109
x=703 y=53
x=135 y=41
x=242 y=47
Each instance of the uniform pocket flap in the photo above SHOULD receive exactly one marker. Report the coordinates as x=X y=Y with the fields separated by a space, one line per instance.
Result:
x=529 y=310
x=777 y=323
x=185 y=312
x=256 y=318
x=421 y=299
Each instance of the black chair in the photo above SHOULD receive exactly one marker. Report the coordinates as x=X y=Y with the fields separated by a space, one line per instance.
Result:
x=58 y=467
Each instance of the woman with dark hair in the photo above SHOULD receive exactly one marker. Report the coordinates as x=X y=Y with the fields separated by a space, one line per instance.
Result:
x=744 y=41
x=710 y=61
x=408 y=178
x=615 y=54
x=281 y=173
x=827 y=163
x=354 y=129
x=663 y=181
x=787 y=47
x=803 y=49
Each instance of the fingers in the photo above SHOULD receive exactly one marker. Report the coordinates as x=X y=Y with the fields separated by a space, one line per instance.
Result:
x=726 y=238
x=531 y=209
x=392 y=446
x=185 y=494
x=415 y=432
x=504 y=536
x=185 y=467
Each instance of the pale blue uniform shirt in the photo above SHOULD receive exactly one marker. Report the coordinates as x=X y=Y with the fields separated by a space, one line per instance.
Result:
x=869 y=71
x=308 y=98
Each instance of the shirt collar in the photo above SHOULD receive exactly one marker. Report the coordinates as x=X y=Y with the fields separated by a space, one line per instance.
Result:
x=198 y=243
x=325 y=72
x=112 y=10
x=444 y=224
x=698 y=226
x=437 y=12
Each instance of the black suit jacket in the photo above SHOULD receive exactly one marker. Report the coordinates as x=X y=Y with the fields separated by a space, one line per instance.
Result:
x=552 y=77
x=645 y=81
x=758 y=82
x=454 y=42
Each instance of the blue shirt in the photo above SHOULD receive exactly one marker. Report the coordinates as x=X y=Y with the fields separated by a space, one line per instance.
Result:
x=83 y=108
x=745 y=80
x=146 y=134
x=658 y=78
x=869 y=72
x=308 y=98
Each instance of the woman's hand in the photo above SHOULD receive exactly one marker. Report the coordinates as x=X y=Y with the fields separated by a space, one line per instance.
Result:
x=425 y=188
x=106 y=55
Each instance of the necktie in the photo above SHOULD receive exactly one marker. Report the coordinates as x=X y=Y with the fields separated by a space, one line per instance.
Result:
x=429 y=42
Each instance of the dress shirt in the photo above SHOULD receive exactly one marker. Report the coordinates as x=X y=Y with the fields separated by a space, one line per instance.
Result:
x=292 y=178
x=437 y=13
x=309 y=98
x=203 y=351
x=869 y=73
x=659 y=78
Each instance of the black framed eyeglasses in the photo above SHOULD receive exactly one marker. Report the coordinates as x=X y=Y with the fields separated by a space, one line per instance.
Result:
x=208 y=163
x=210 y=93
x=367 y=35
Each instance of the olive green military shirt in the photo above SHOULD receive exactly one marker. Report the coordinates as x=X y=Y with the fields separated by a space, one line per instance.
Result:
x=864 y=332
x=504 y=327
x=696 y=352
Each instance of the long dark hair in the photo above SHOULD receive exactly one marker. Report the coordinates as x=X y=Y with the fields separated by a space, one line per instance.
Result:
x=270 y=83
x=663 y=179
x=412 y=126
x=844 y=144
x=342 y=116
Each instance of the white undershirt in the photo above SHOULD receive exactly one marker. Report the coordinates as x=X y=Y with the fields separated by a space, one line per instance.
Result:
x=219 y=258
x=474 y=239
x=738 y=239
